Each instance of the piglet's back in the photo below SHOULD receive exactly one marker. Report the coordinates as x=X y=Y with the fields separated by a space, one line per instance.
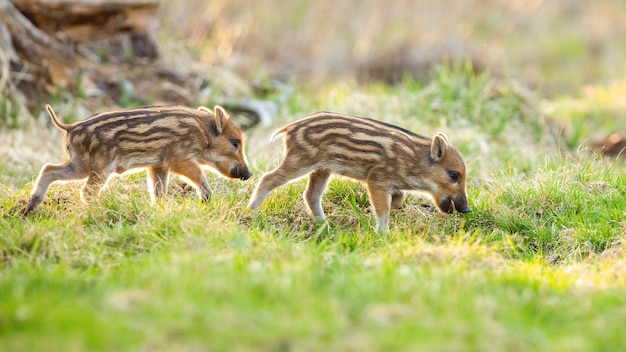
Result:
x=359 y=143
x=142 y=130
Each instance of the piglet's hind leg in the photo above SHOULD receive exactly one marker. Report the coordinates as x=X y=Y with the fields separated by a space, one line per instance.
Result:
x=287 y=171
x=49 y=174
x=318 y=180
x=94 y=184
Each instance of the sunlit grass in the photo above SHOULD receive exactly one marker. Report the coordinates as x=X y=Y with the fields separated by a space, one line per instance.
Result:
x=537 y=265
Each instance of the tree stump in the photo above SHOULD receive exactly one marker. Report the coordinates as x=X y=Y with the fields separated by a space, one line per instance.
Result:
x=52 y=45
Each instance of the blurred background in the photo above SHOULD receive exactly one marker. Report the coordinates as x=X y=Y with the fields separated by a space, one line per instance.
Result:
x=556 y=46
x=567 y=58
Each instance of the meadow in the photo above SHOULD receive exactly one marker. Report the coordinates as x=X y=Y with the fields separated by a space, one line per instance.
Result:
x=538 y=265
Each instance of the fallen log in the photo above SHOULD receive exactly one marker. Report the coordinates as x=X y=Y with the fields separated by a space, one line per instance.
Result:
x=49 y=45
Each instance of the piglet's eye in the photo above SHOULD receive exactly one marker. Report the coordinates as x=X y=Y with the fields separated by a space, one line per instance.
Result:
x=235 y=143
x=455 y=177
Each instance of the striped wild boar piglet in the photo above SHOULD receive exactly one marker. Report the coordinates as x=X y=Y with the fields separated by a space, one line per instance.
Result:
x=389 y=159
x=162 y=139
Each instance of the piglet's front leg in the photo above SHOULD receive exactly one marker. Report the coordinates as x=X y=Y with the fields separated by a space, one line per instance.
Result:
x=192 y=171
x=380 y=197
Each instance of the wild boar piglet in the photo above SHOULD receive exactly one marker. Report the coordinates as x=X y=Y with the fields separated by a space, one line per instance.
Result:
x=387 y=158
x=162 y=139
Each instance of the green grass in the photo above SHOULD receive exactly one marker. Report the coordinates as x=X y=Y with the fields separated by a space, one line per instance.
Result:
x=591 y=115
x=538 y=264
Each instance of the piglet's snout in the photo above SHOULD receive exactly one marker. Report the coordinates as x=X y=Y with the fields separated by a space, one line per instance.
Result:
x=461 y=205
x=241 y=172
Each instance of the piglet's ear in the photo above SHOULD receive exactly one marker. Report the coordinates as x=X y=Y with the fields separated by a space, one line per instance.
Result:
x=439 y=147
x=221 y=117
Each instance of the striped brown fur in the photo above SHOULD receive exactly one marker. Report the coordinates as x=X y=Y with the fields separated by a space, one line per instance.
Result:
x=388 y=158
x=162 y=139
